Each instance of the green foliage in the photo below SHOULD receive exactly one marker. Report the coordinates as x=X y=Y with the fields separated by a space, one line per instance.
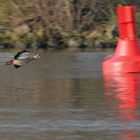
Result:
x=6 y=40
x=22 y=1
x=121 y=2
x=3 y=9
x=127 y=2
x=62 y=21
x=27 y=38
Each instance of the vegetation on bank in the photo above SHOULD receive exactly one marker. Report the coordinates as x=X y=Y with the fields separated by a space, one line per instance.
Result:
x=60 y=24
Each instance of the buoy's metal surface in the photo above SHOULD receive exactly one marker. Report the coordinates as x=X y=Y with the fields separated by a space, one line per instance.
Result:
x=126 y=58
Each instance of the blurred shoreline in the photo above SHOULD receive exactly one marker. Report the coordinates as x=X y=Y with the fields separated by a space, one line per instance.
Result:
x=57 y=25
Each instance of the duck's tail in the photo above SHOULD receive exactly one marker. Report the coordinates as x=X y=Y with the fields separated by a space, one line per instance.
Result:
x=9 y=62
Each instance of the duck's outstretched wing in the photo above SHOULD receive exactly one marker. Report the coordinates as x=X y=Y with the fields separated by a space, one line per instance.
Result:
x=22 y=55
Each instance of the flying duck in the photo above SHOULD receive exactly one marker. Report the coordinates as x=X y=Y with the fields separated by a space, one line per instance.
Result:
x=22 y=58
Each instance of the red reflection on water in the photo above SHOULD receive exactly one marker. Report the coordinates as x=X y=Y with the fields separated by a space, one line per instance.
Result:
x=122 y=93
x=125 y=88
x=129 y=135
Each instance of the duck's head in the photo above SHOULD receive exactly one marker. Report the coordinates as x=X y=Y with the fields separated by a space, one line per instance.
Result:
x=37 y=56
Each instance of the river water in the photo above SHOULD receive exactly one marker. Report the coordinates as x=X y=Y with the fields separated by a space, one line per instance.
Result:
x=64 y=96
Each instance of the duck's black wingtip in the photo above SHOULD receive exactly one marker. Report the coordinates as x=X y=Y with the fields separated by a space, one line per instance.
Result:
x=17 y=66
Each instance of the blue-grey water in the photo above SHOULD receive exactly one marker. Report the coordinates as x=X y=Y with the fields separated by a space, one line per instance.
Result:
x=64 y=96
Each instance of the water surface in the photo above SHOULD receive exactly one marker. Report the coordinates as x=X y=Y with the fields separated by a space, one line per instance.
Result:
x=64 y=97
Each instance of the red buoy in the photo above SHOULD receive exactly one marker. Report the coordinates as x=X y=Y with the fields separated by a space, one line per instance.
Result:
x=126 y=58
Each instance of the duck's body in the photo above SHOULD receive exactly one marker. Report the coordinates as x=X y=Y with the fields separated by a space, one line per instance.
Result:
x=22 y=58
